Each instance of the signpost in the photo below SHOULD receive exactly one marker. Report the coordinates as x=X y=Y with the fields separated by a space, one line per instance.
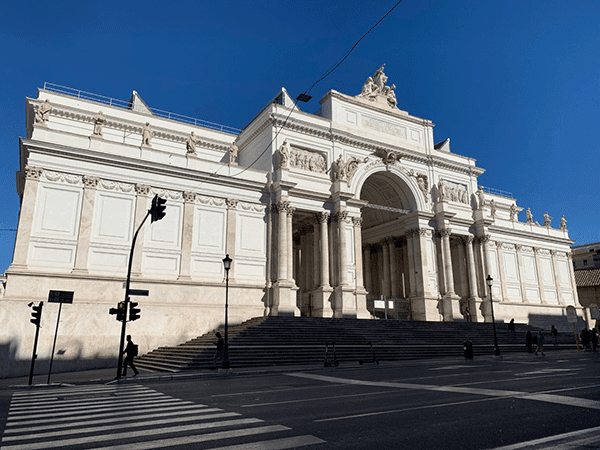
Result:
x=59 y=297
x=572 y=318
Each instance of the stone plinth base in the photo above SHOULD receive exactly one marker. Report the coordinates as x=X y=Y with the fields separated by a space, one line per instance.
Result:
x=284 y=299
x=321 y=302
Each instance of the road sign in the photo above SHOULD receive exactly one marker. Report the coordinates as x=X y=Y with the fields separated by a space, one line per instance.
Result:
x=571 y=314
x=60 y=296
x=141 y=292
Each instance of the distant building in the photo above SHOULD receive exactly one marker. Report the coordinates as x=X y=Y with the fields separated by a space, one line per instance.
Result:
x=586 y=256
x=323 y=215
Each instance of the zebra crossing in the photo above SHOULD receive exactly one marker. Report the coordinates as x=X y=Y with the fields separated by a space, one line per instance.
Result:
x=132 y=416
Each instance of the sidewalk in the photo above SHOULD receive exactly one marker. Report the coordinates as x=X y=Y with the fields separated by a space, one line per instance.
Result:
x=107 y=375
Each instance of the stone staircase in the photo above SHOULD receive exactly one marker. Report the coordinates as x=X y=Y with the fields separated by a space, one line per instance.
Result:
x=269 y=341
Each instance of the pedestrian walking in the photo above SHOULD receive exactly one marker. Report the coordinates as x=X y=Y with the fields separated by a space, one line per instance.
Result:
x=529 y=341
x=220 y=346
x=540 y=343
x=511 y=328
x=554 y=333
x=585 y=338
x=131 y=350
x=594 y=339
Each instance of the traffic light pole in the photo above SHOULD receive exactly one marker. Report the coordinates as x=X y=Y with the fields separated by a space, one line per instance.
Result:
x=124 y=324
x=34 y=356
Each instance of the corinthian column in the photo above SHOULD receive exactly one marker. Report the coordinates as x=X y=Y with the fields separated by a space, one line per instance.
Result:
x=85 y=224
x=486 y=309
x=474 y=299
x=323 y=219
x=290 y=244
x=447 y=260
x=282 y=245
x=341 y=217
x=367 y=265
x=391 y=242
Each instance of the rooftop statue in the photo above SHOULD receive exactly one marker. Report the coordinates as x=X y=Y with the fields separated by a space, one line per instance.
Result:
x=43 y=113
x=190 y=144
x=233 y=154
x=375 y=88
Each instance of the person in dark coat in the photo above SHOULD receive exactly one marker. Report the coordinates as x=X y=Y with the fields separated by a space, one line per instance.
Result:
x=529 y=341
x=594 y=339
x=585 y=338
x=511 y=328
x=220 y=346
x=554 y=333
x=131 y=352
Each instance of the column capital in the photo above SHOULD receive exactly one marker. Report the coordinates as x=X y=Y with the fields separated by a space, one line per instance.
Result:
x=290 y=211
x=142 y=189
x=484 y=238
x=281 y=206
x=231 y=203
x=367 y=248
x=468 y=239
x=90 y=182
x=322 y=217
x=357 y=221
x=444 y=232
x=341 y=216
x=189 y=197
x=33 y=173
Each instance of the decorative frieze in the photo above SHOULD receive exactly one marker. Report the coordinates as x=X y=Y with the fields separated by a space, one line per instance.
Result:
x=59 y=177
x=253 y=207
x=168 y=194
x=453 y=192
x=210 y=201
x=115 y=186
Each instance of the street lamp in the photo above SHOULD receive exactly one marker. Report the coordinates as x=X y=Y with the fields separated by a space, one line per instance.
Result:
x=227 y=265
x=490 y=282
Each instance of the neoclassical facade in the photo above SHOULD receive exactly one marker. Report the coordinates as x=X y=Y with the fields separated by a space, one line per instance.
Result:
x=321 y=213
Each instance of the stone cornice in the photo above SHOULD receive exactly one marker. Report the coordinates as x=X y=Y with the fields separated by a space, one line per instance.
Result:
x=137 y=165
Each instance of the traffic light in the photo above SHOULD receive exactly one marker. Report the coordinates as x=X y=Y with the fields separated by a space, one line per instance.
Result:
x=134 y=312
x=157 y=211
x=119 y=311
x=36 y=315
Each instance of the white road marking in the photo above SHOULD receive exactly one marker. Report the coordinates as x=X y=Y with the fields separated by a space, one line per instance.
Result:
x=572 y=444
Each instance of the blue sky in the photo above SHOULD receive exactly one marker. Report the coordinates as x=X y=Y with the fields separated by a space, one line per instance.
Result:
x=514 y=84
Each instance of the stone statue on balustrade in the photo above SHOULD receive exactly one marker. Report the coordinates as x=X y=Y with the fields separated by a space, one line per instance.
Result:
x=147 y=135
x=529 y=216
x=42 y=115
x=374 y=89
x=547 y=219
x=442 y=193
x=480 y=198
x=513 y=212
x=284 y=155
x=563 y=223
x=190 y=144
x=233 y=154
x=99 y=121
x=493 y=208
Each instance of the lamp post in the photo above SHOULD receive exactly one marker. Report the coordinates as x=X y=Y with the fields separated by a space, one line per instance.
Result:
x=490 y=281
x=227 y=265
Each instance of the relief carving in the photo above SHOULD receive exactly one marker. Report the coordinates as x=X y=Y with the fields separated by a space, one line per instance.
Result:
x=42 y=114
x=454 y=192
x=307 y=160
x=33 y=173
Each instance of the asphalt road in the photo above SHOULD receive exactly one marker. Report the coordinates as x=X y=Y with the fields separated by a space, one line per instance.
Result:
x=514 y=402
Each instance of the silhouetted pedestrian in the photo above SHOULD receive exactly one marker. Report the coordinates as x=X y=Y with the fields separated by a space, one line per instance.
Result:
x=594 y=339
x=540 y=343
x=131 y=350
x=585 y=338
x=511 y=328
x=529 y=341
x=220 y=346
x=554 y=333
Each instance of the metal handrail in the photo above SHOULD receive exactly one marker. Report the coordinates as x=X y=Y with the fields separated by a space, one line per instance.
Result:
x=127 y=105
x=498 y=192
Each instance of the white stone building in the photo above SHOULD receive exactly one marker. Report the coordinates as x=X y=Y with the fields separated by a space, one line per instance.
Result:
x=321 y=214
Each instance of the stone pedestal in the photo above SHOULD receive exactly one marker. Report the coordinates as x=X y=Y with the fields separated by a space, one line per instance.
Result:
x=425 y=308
x=284 y=299
x=321 y=306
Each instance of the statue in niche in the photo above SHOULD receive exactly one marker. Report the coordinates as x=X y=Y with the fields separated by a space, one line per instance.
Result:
x=481 y=198
x=284 y=155
x=493 y=208
x=339 y=169
x=99 y=121
x=43 y=112
x=147 y=135
x=513 y=211
x=190 y=144
x=563 y=223
x=233 y=154
x=547 y=219
x=529 y=216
